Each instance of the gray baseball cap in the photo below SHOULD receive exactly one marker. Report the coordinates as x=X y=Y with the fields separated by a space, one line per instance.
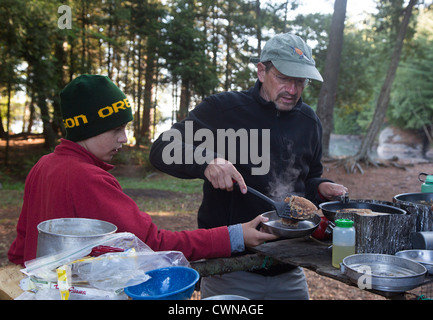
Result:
x=291 y=56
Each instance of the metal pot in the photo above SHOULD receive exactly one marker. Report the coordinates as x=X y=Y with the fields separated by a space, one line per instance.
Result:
x=329 y=209
x=69 y=233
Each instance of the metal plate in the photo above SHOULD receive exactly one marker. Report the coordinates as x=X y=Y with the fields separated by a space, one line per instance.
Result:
x=387 y=272
x=302 y=229
x=226 y=297
x=425 y=257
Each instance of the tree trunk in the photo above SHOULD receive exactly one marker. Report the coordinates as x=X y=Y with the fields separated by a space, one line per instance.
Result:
x=228 y=71
x=59 y=78
x=137 y=117
x=8 y=117
x=50 y=139
x=31 y=112
x=2 y=129
x=148 y=87
x=384 y=97
x=259 y=28
x=110 y=48
x=185 y=97
x=325 y=106
x=84 y=68
x=215 y=41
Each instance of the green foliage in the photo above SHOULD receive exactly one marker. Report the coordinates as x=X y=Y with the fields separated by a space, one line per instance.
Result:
x=162 y=182
x=412 y=95
x=203 y=44
x=355 y=96
x=187 y=59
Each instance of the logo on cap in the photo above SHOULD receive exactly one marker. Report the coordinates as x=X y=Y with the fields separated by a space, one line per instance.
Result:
x=300 y=53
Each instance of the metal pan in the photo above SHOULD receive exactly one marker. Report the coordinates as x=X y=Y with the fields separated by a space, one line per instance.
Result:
x=423 y=198
x=329 y=209
x=384 y=272
x=302 y=228
x=425 y=257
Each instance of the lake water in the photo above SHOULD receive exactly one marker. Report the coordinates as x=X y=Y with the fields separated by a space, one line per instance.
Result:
x=344 y=145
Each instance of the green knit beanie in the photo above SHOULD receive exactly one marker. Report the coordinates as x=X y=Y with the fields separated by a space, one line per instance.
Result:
x=91 y=105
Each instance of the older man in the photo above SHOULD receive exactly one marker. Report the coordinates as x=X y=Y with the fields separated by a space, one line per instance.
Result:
x=270 y=120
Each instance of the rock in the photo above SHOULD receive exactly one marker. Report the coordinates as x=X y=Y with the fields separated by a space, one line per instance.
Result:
x=398 y=143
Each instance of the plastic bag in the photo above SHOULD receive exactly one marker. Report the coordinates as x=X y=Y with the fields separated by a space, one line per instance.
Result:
x=111 y=271
x=76 y=293
x=114 y=271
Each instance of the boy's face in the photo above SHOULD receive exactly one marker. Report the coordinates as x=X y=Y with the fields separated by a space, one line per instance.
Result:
x=105 y=145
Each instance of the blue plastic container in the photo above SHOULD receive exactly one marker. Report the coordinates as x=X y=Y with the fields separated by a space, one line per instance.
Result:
x=171 y=283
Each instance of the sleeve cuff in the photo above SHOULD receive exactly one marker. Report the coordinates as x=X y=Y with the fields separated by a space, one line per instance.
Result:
x=236 y=238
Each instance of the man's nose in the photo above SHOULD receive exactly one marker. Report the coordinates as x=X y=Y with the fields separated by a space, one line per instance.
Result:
x=291 y=87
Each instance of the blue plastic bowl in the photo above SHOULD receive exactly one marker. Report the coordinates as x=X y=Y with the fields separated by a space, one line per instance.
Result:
x=171 y=283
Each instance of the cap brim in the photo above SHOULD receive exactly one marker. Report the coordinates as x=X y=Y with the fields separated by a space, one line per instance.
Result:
x=297 y=70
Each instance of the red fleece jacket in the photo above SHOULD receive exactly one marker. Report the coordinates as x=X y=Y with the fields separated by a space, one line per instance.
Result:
x=71 y=182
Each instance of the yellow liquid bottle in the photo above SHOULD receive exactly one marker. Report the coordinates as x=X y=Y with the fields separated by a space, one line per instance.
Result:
x=343 y=241
x=341 y=252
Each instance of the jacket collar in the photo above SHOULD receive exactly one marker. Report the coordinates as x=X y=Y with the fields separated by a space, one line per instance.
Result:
x=70 y=148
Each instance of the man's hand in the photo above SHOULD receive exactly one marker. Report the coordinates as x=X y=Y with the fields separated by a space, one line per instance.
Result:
x=254 y=237
x=331 y=190
x=221 y=173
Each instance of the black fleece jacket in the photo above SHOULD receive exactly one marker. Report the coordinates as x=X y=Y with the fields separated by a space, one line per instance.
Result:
x=294 y=157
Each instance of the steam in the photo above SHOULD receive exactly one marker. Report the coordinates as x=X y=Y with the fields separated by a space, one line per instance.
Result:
x=283 y=182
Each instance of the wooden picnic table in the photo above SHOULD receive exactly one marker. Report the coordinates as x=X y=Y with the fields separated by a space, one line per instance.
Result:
x=303 y=252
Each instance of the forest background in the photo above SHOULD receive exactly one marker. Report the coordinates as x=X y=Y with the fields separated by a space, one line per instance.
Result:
x=168 y=55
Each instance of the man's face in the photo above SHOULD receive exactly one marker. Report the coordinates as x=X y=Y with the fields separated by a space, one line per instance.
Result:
x=105 y=145
x=284 y=91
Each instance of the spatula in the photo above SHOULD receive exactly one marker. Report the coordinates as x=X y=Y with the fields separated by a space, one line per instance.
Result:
x=282 y=208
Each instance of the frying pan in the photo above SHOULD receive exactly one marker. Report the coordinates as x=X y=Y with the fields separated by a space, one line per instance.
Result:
x=417 y=198
x=329 y=209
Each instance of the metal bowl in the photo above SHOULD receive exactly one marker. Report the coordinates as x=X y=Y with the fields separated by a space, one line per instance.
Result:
x=384 y=272
x=303 y=227
x=425 y=257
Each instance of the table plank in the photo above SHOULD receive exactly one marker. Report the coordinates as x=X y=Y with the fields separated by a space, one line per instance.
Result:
x=10 y=277
x=248 y=262
x=303 y=252
x=317 y=256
